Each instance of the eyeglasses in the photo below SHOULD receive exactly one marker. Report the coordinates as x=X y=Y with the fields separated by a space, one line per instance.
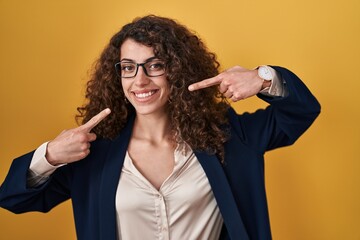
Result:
x=153 y=67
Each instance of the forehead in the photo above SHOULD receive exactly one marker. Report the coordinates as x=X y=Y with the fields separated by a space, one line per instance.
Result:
x=135 y=51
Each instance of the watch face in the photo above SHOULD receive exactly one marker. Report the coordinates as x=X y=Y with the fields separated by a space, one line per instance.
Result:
x=265 y=73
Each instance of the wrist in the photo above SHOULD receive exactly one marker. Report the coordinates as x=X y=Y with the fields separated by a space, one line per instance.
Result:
x=266 y=84
x=267 y=75
x=49 y=156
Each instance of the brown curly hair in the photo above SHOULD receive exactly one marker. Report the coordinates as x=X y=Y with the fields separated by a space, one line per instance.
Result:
x=198 y=118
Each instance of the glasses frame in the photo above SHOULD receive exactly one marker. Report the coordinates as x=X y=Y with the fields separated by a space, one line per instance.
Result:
x=118 y=65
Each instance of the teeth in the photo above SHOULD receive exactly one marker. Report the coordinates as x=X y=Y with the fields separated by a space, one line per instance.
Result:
x=144 y=95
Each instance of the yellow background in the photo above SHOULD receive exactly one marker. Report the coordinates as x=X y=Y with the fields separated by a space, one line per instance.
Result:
x=47 y=47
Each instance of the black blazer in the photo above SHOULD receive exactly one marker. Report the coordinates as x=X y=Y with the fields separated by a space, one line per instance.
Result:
x=238 y=185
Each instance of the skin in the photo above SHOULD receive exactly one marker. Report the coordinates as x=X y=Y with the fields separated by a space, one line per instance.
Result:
x=72 y=145
x=236 y=83
x=156 y=87
x=147 y=140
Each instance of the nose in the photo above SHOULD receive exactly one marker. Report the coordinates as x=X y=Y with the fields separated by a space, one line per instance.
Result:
x=141 y=79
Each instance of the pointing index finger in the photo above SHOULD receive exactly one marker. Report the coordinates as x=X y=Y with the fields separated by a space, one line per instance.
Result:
x=205 y=83
x=87 y=127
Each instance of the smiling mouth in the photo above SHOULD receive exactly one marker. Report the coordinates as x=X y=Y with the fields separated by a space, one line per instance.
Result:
x=145 y=94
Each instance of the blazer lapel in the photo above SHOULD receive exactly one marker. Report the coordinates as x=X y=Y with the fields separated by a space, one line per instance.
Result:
x=110 y=180
x=223 y=195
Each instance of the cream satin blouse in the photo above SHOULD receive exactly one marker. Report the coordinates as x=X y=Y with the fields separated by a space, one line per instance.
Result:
x=183 y=208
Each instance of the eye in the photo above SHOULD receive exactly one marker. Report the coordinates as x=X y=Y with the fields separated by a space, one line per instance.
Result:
x=156 y=66
x=127 y=67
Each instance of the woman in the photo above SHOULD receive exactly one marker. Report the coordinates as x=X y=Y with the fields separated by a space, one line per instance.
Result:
x=172 y=160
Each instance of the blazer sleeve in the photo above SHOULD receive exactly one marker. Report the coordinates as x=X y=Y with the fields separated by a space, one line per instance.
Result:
x=283 y=121
x=17 y=197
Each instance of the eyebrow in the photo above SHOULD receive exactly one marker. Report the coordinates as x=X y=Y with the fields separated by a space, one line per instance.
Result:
x=130 y=60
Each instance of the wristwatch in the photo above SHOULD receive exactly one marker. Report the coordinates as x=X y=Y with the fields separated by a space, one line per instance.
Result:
x=264 y=72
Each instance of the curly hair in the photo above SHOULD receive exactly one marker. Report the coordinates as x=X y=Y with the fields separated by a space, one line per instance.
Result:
x=197 y=118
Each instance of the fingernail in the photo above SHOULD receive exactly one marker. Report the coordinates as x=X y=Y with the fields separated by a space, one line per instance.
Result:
x=191 y=88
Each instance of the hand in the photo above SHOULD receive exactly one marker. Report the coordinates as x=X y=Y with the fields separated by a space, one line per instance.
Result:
x=74 y=144
x=236 y=83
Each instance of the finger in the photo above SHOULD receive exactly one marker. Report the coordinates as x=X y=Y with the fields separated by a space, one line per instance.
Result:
x=236 y=68
x=84 y=147
x=223 y=87
x=95 y=120
x=235 y=99
x=205 y=83
x=91 y=137
x=82 y=155
x=228 y=94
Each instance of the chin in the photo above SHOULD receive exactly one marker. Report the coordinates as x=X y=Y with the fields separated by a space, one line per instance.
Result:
x=149 y=110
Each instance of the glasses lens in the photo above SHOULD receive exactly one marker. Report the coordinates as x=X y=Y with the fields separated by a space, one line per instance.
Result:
x=155 y=68
x=127 y=69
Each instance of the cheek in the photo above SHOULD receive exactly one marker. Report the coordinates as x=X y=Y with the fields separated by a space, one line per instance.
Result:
x=165 y=90
x=165 y=85
x=125 y=86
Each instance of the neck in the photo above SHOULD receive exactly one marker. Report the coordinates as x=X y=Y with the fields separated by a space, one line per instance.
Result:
x=152 y=128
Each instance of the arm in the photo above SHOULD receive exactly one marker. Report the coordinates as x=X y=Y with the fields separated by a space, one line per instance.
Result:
x=280 y=124
x=17 y=197
x=284 y=120
x=40 y=169
x=32 y=183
